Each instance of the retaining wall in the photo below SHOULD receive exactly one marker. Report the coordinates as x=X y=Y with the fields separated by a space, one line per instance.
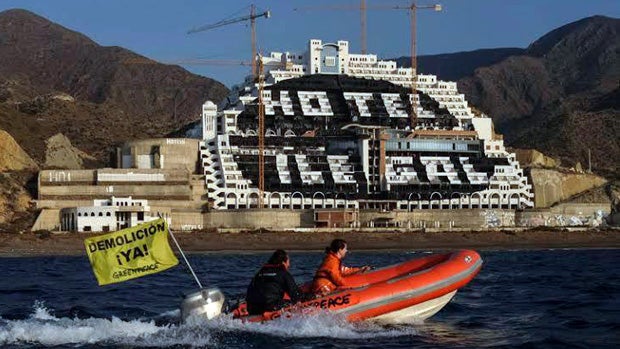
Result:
x=473 y=219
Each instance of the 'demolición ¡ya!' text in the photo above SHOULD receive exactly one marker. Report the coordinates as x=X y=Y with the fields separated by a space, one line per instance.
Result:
x=127 y=238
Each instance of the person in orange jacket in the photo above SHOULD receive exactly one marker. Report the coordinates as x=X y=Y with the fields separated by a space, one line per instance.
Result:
x=331 y=273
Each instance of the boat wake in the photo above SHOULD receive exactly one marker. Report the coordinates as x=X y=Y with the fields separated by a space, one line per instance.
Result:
x=43 y=328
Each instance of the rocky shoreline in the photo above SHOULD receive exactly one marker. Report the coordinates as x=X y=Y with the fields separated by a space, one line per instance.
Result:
x=48 y=244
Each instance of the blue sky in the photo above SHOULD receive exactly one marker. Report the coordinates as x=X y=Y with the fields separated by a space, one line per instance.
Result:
x=157 y=28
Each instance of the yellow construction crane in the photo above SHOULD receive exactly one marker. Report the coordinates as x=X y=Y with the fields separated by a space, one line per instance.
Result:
x=251 y=17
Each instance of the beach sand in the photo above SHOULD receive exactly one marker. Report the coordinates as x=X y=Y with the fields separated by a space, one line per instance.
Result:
x=47 y=244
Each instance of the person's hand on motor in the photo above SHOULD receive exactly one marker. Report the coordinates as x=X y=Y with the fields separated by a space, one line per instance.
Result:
x=365 y=269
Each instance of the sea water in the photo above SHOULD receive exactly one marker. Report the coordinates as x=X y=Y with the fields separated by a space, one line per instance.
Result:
x=520 y=299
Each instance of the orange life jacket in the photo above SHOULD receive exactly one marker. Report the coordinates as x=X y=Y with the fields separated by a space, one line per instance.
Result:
x=330 y=274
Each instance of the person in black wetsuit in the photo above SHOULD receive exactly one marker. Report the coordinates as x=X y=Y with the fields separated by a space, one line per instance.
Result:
x=266 y=291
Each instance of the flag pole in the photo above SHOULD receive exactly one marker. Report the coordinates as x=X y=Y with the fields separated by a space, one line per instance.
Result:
x=184 y=258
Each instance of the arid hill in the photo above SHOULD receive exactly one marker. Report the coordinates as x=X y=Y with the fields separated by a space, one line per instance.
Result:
x=67 y=102
x=455 y=66
x=560 y=95
x=54 y=80
x=17 y=171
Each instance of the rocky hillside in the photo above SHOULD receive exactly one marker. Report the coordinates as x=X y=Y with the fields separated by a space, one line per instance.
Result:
x=54 y=80
x=17 y=174
x=560 y=95
x=12 y=156
x=60 y=153
x=66 y=102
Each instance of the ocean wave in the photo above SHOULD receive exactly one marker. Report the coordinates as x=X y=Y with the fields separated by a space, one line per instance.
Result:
x=42 y=327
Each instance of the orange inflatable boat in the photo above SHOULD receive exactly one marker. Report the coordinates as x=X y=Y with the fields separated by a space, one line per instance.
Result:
x=415 y=289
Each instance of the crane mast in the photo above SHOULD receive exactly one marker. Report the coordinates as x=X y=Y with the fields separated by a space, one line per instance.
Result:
x=413 y=8
x=253 y=30
x=363 y=20
x=261 y=136
x=414 y=70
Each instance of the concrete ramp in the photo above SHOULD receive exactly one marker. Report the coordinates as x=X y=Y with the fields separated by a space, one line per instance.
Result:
x=49 y=219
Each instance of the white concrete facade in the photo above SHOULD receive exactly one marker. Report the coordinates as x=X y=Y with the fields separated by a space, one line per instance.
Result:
x=506 y=187
x=367 y=66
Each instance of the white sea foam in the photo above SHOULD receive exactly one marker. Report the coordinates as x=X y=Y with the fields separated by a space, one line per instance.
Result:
x=306 y=326
x=43 y=328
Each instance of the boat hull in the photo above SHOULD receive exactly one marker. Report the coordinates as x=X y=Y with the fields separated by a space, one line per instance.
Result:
x=417 y=312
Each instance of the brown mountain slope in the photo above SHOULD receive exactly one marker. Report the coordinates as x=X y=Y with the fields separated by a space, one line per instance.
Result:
x=457 y=65
x=582 y=56
x=115 y=100
x=12 y=156
x=518 y=86
x=559 y=97
x=16 y=171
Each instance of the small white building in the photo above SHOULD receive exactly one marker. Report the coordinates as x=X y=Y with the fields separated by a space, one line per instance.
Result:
x=107 y=215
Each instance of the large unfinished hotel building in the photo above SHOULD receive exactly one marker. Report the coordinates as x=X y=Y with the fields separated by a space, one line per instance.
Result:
x=342 y=132
x=339 y=133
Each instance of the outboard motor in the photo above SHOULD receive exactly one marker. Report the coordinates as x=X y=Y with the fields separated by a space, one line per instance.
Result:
x=207 y=303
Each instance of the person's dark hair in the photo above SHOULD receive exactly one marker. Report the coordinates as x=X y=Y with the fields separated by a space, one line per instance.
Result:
x=278 y=257
x=336 y=245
